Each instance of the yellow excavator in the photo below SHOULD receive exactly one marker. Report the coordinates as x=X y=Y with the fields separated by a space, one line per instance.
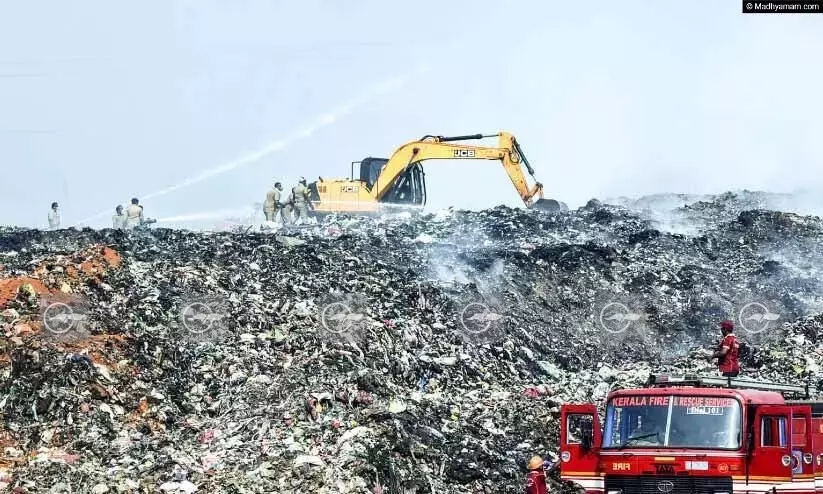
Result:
x=399 y=181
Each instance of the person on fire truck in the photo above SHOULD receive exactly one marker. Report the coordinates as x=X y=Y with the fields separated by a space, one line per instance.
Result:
x=728 y=352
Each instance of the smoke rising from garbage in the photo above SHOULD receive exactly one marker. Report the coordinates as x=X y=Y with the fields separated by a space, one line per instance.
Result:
x=483 y=322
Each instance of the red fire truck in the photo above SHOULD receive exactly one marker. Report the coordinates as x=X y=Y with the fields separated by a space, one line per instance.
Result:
x=712 y=435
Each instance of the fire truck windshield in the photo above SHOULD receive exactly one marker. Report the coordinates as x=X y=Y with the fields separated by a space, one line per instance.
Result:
x=656 y=421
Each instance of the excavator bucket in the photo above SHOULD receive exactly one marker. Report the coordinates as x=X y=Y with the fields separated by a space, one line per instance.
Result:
x=549 y=205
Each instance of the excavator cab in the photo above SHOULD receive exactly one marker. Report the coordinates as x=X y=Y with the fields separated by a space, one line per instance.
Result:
x=408 y=189
x=370 y=169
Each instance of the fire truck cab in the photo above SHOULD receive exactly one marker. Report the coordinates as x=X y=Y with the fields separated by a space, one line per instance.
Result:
x=712 y=435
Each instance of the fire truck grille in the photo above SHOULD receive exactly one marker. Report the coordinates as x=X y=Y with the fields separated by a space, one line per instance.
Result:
x=652 y=484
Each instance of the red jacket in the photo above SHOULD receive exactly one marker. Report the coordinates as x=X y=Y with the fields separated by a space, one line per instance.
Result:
x=730 y=362
x=536 y=482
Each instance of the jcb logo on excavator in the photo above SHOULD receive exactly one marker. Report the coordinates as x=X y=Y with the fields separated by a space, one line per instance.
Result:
x=350 y=188
x=464 y=153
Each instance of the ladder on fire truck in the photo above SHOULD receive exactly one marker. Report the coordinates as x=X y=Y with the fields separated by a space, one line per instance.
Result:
x=800 y=391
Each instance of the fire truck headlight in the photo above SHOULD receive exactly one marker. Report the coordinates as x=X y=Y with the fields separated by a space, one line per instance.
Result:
x=614 y=491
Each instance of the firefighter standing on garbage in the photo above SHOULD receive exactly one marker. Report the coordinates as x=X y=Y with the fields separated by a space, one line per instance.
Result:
x=282 y=206
x=273 y=203
x=300 y=198
x=728 y=351
x=119 y=219
x=54 y=217
x=536 y=480
x=134 y=215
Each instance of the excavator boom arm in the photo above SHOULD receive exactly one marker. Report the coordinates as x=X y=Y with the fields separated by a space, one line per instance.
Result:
x=437 y=147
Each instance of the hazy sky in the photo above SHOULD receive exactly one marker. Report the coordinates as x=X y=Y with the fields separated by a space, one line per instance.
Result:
x=101 y=101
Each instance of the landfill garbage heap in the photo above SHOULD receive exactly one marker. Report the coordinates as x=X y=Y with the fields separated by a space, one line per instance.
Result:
x=423 y=355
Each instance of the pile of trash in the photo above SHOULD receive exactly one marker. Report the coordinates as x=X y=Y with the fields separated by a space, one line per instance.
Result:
x=401 y=355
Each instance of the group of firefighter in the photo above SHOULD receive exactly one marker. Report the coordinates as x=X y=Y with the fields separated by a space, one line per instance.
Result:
x=127 y=218
x=278 y=207
x=288 y=209
x=131 y=217
x=727 y=355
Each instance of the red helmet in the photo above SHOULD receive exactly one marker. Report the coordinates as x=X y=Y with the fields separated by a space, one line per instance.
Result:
x=727 y=325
